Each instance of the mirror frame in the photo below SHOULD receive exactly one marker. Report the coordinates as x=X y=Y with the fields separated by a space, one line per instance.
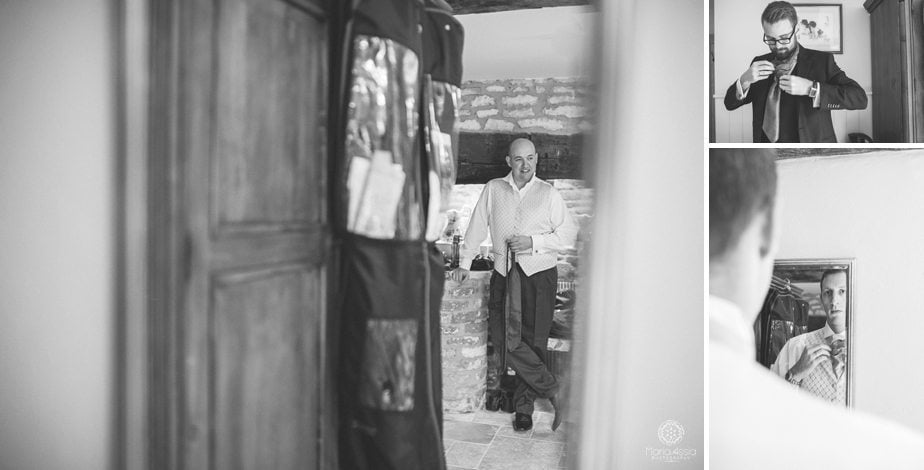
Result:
x=820 y=264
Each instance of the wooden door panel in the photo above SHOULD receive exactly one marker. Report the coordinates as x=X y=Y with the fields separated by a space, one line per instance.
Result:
x=267 y=88
x=888 y=81
x=238 y=251
x=254 y=101
x=264 y=353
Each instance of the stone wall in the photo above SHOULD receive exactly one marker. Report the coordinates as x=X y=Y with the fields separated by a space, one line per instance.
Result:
x=531 y=105
x=553 y=112
x=464 y=327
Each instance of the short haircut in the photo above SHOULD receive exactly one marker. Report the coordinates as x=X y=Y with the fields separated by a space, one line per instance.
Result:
x=742 y=184
x=830 y=272
x=778 y=11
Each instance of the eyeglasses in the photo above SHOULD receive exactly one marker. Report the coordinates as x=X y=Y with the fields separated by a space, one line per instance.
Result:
x=784 y=41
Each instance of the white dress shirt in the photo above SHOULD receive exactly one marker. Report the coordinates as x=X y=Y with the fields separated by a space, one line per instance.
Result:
x=822 y=381
x=536 y=210
x=740 y=93
x=758 y=421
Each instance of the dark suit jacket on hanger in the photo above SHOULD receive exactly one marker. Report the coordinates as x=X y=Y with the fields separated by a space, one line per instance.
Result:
x=838 y=91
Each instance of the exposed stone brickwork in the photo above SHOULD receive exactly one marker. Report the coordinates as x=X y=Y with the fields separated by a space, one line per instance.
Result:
x=540 y=105
x=464 y=325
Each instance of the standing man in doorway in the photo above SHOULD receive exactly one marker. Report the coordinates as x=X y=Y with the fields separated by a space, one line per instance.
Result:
x=527 y=217
x=792 y=89
x=816 y=361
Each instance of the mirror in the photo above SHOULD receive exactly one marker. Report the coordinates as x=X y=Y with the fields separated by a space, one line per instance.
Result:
x=804 y=331
x=526 y=75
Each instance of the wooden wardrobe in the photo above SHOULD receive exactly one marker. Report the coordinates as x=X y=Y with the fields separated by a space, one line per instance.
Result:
x=897 y=36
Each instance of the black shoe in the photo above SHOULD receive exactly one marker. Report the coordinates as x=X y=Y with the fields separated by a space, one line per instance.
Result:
x=556 y=422
x=522 y=422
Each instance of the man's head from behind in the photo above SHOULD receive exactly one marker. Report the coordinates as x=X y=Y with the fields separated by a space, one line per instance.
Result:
x=834 y=298
x=522 y=159
x=779 y=21
x=742 y=232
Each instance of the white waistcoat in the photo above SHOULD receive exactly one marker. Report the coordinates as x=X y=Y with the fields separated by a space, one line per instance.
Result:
x=510 y=215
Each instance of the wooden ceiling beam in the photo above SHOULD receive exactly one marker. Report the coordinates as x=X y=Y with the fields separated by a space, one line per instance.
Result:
x=464 y=7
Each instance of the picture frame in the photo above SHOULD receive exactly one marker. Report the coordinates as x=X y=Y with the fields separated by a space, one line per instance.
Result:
x=796 y=291
x=821 y=26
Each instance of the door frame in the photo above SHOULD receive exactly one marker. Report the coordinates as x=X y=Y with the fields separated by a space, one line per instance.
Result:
x=132 y=43
x=152 y=252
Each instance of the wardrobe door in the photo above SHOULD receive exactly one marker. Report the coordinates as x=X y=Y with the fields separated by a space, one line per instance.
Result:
x=248 y=176
x=890 y=109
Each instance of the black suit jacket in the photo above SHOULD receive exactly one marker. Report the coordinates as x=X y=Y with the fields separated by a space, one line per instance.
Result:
x=838 y=91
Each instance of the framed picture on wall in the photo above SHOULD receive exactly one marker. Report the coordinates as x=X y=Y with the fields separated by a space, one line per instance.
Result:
x=820 y=26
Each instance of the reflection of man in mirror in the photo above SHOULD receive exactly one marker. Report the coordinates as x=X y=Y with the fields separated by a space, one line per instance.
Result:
x=792 y=89
x=528 y=216
x=816 y=361
x=756 y=420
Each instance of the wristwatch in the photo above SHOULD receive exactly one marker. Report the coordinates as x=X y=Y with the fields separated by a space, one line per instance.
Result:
x=813 y=91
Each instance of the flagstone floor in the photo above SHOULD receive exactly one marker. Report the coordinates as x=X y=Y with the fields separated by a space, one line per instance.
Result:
x=485 y=440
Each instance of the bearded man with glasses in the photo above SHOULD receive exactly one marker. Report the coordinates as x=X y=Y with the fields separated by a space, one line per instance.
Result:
x=792 y=89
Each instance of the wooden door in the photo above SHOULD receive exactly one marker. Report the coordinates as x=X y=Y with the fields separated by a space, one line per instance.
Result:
x=916 y=57
x=888 y=42
x=252 y=171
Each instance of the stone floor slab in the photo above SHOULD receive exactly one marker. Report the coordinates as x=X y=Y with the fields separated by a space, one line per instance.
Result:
x=466 y=455
x=493 y=417
x=476 y=433
x=507 y=431
x=507 y=453
x=468 y=446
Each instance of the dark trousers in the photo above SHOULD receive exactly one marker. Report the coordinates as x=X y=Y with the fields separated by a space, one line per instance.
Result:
x=529 y=358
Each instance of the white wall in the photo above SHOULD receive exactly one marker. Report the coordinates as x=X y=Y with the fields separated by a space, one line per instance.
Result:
x=538 y=43
x=56 y=262
x=869 y=207
x=645 y=313
x=738 y=40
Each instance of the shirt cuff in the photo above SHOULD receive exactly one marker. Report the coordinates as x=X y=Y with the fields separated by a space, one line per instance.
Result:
x=740 y=92
x=538 y=243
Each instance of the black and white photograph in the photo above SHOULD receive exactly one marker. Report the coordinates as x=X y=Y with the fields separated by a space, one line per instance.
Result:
x=808 y=248
x=820 y=26
x=809 y=299
x=358 y=235
x=838 y=73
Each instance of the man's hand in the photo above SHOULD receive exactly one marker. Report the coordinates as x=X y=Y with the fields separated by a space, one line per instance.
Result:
x=811 y=357
x=519 y=243
x=794 y=85
x=459 y=274
x=756 y=72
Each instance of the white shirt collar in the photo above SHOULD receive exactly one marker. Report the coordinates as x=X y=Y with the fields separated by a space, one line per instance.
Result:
x=513 y=184
x=827 y=331
x=728 y=328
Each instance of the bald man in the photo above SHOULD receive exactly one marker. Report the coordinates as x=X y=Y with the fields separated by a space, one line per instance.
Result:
x=527 y=218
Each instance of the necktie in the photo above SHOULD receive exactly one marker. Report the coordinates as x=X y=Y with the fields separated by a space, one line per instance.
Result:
x=771 y=124
x=513 y=310
x=838 y=356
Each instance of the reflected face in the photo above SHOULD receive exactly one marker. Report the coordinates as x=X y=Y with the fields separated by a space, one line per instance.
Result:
x=834 y=300
x=522 y=160
x=782 y=29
